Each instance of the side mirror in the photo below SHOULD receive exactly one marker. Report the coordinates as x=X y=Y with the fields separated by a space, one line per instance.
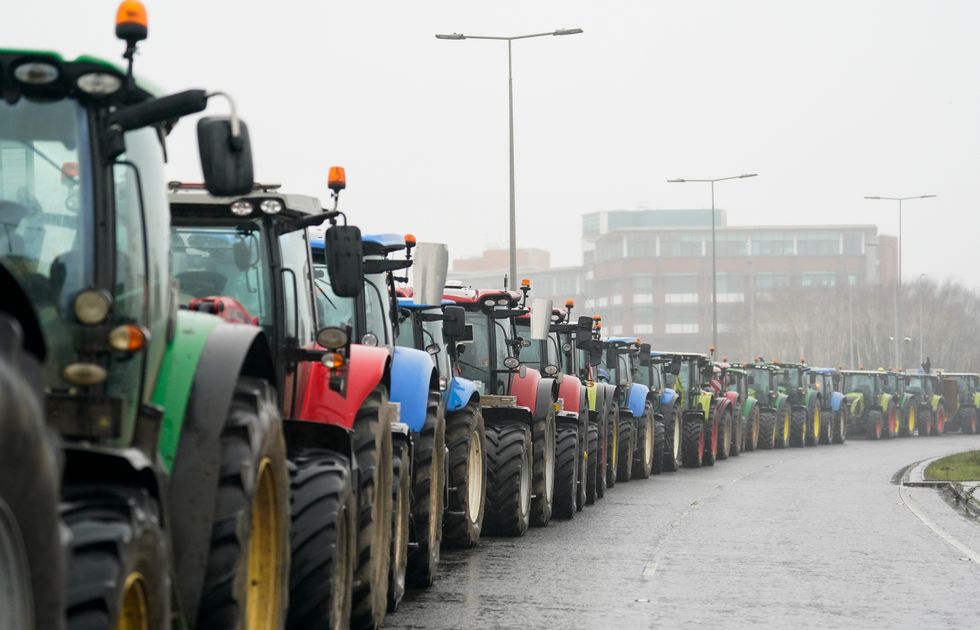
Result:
x=612 y=357
x=644 y=354
x=429 y=272
x=595 y=356
x=432 y=349
x=540 y=318
x=675 y=366
x=454 y=322
x=226 y=159
x=345 y=260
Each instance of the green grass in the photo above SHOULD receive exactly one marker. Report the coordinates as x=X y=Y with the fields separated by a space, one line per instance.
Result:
x=959 y=467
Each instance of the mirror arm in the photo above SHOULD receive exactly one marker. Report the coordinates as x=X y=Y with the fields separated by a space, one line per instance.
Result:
x=310 y=221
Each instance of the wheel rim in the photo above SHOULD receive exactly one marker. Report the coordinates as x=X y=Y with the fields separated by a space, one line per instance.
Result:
x=615 y=446
x=755 y=431
x=264 y=553
x=786 y=421
x=549 y=463
x=474 y=478
x=911 y=420
x=816 y=423
x=526 y=483
x=15 y=580
x=648 y=442
x=134 y=614
x=677 y=439
x=941 y=423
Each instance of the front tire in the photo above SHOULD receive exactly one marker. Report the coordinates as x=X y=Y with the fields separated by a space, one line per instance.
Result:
x=427 y=496
x=815 y=427
x=874 y=426
x=753 y=428
x=627 y=445
x=509 y=464
x=784 y=421
x=840 y=426
x=798 y=426
x=674 y=430
x=566 y=475
x=659 y=446
x=767 y=430
x=467 y=441
x=592 y=466
x=723 y=444
x=543 y=485
x=401 y=517
x=693 y=442
x=645 y=443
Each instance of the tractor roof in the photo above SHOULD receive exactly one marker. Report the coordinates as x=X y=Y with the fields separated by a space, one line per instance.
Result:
x=682 y=355
x=758 y=366
x=874 y=372
x=195 y=201
x=407 y=302
x=381 y=244
x=485 y=297
x=961 y=374
x=822 y=370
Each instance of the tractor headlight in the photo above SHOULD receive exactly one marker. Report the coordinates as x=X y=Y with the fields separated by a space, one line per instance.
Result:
x=331 y=337
x=241 y=208
x=98 y=83
x=36 y=73
x=91 y=306
x=511 y=363
x=271 y=206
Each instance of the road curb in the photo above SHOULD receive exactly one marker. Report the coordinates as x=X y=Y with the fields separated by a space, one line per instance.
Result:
x=914 y=477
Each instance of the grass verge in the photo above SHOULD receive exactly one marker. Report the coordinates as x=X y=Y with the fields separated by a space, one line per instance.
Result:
x=958 y=467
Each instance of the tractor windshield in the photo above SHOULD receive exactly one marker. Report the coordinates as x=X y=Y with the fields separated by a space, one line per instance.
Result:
x=859 y=382
x=433 y=341
x=761 y=379
x=225 y=261
x=482 y=358
x=46 y=217
x=891 y=384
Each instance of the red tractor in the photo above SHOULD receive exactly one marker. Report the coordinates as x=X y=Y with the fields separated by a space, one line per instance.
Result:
x=519 y=407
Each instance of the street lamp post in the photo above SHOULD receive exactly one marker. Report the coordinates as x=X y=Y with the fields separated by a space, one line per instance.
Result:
x=922 y=354
x=898 y=282
x=714 y=265
x=512 y=281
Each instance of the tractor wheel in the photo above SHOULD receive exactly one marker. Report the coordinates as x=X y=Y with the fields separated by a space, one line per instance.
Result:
x=875 y=424
x=784 y=420
x=969 y=423
x=798 y=426
x=673 y=429
x=428 y=491
x=891 y=424
x=924 y=422
x=32 y=571
x=752 y=431
x=373 y=449
x=246 y=582
x=840 y=426
x=659 y=446
x=826 y=426
x=602 y=454
x=907 y=429
x=767 y=430
x=401 y=519
x=710 y=442
x=509 y=463
x=738 y=435
x=323 y=539
x=543 y=484
x=815 y=428
x=566 y=473
x=627 y=446
x=118 y=566
x=583 y=461
x=940 y=427
x=612 y=448
x=592 y=466
x=645 y=443
x=467 y=441
x=692 y=442
x=723 y=443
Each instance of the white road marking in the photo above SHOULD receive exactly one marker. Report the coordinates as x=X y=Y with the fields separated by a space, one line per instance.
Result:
x=906 y=496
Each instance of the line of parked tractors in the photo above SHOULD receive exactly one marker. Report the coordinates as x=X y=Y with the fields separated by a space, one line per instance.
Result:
x=190 y=436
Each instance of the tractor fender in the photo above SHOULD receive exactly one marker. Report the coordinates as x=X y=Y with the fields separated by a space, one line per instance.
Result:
x=855 y=404
x=459 y=394
x=570 y=392
x=885 y=401
x=704 y=403
x=16 y=304
x=500 y=416
x=810 y=398
x=306 y=437
x=368 y=367
x=593 y=397
x=534 y=392
x=836 y=398
x=781 y=399
x=748 y=405
x=723 y=404
x=667 y=398
x=413 y=378
x=212 y=355
x=934 y=403
x=636 y=399
x=99 y=465
x=732 y=397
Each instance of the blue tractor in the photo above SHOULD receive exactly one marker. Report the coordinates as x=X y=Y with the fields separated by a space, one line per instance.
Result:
x=827 y=382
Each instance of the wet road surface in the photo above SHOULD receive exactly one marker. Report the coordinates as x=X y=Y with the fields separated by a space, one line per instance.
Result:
x=805 y=538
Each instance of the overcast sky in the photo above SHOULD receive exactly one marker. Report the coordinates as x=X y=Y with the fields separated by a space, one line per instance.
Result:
x=828 y=101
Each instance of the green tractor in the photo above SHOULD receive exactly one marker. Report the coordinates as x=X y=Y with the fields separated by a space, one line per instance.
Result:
x=805 y=404
x=930 y=409
x=894 y=385
x=735 y=384
x=175 y=488
x=869 y=409
x=963 y=402
x=775 y=414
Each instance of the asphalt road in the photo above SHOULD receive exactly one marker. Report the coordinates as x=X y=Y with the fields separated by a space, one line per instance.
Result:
x=804 y=538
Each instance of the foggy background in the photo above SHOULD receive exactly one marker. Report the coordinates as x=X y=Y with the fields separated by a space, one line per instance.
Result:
x=828 y=101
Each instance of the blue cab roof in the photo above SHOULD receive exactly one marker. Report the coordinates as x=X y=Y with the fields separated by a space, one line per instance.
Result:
x=407 y=302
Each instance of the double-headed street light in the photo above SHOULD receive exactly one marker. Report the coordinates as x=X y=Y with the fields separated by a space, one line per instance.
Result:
x=512 y=281
x=714 y=266
x=898 y=282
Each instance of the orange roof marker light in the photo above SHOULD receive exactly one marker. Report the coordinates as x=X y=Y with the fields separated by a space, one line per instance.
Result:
x=410 y=240
x=526 y=283
x=337 y=179
x=131 y=22
x=569 y=303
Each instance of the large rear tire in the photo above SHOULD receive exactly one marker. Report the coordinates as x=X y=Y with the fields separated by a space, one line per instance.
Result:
x=592 y=466
x=814 y=426
x=692 y=442
x=428 y=490
x=645 y=446
x=891 y=422
x=373 y=450
x=798 y=426
x=583 y=460
x=767 y=429
x=659 y=446
x=467 y=441
x=968 y=424
x=627 y=445
x=32 y=571
x=784 y=421
x=940 y=426
x=401 y=518
x=674 y=433
x=752 y=430
x=118 y=571
x=827 y=419
x=874 y=425
x=510 y=461
x=612 y=448
x=246 y=583
x=924 y=422
x=723 y=443
x=908 y=421
x=566 y=475
x=738 y=432
x=543 y=485
x=323 y=538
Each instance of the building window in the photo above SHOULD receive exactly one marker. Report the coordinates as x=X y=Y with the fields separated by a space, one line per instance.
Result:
x=643 y=284
x=852 y=243
x=772 y=244
x=641 y=245
x=643 y=329
x=818 y=244
x=766 y=281
x=731 y=245
x=818 y=279
x=681 y=329
x=680 y=283
x=643 y=315
x=681 y=245
x=590 y=224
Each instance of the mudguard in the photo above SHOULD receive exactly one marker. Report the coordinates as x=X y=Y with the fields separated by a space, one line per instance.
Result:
x=667 y=398
x=570 y=392
x=368 y=367
x=459 y=394
x=413 y=378
x=747 y=406
x=722 y=404
x=704 y=403
x=885 y=401
x=534 y=392
x=855 y=404
x=836 y=398
x=934 y=403
x=636 y=399
x=810 y=398
x=209 y=355
x=780 y=400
